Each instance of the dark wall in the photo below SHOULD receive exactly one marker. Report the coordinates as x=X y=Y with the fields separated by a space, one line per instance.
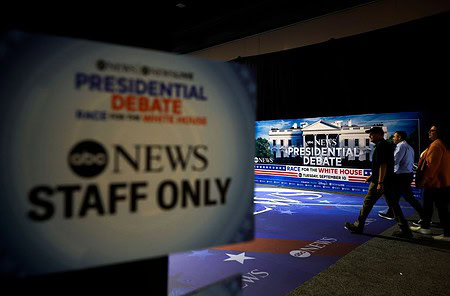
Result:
x=396 y=69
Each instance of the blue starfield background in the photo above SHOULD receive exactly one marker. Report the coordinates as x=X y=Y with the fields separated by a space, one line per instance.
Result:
x=298 y=234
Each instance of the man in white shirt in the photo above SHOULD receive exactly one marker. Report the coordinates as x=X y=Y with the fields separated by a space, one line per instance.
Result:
x=403 y=174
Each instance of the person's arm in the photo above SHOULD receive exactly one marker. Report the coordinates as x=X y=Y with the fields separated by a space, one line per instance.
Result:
x=381 y=175
x=399 y=153
x=433 y=160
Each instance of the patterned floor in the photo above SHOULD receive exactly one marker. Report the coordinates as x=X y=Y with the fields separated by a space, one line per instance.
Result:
x=298 y=234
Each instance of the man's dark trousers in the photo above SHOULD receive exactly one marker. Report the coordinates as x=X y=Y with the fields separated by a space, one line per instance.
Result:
x=372 y=197
x=403 y=188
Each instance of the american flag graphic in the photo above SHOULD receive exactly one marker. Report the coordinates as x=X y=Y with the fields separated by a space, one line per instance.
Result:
x=356 y=179
x=274 y=170
x=359 y=178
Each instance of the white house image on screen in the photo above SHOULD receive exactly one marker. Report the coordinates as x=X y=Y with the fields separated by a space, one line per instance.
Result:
x=323 y=134
x=281 y=139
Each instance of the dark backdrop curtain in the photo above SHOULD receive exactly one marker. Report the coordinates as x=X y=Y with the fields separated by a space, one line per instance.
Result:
x=396 y=69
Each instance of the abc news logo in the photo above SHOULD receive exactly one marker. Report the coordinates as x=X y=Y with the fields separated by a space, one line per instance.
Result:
x=315 y=246
x=88 y=159
x=300 y=254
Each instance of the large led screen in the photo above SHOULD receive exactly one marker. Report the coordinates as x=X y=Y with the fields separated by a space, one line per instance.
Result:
x=326 y=153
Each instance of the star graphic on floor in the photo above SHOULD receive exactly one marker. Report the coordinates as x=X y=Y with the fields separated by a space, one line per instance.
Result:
x=239 y=258
x=201 y=254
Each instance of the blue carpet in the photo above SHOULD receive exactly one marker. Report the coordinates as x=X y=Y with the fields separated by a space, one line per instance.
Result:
x=298 y=234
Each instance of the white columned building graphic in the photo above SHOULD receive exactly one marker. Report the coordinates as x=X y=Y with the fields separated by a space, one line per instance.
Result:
x=281 y=139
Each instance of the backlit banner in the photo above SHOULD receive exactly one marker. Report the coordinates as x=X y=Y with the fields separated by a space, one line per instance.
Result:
x=331 y=153
x=112 y=154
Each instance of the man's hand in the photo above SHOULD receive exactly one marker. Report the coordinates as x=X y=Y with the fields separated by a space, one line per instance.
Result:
x=380 y=188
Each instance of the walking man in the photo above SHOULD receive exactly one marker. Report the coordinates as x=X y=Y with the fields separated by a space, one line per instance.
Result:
x=381 y=182
x=403 y=175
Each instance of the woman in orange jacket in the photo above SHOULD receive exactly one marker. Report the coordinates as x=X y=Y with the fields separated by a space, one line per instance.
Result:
x=435 y=165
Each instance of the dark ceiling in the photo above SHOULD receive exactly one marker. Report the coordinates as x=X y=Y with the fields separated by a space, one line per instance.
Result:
x=175 y=26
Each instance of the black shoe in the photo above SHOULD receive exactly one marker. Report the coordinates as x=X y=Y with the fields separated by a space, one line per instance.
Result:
x=436 y=224
x=433 y=224
x=403 y=234
x=386 y=216
x=418 y=222
x=353 y=228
